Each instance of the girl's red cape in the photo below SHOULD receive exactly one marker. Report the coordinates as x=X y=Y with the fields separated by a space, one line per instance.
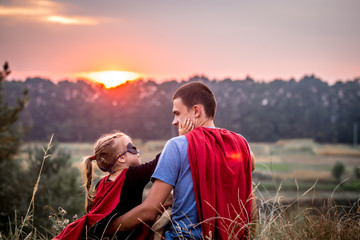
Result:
x=107 y=197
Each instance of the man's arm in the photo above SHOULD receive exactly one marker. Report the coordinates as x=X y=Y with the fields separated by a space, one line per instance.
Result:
x=254 y=215
x=147 y=211
x=252 y=161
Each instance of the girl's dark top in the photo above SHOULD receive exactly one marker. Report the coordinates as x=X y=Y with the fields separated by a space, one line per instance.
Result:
x=131 y=196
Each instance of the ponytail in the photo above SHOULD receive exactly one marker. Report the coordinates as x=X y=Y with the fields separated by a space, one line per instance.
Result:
x=88 y=173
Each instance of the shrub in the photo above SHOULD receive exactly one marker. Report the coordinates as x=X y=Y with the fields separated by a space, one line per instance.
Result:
x=338 y=170
x=357 y=172
x=60 y=185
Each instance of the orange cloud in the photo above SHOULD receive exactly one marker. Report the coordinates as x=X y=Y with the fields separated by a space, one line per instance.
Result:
x=44 y=10
x=71 y=20
x=32 y=8
x=16 y=11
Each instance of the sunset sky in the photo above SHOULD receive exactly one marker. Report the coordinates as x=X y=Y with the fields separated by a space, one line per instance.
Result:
x=168 y=39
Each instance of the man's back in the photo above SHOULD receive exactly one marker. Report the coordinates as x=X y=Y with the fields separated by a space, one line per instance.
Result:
x=174 y=169
x=220 y=161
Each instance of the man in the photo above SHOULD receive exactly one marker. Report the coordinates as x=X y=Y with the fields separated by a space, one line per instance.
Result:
x=209 y=170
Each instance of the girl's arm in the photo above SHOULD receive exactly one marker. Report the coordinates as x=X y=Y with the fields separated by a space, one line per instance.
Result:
x=145 y=212
x=143 y=172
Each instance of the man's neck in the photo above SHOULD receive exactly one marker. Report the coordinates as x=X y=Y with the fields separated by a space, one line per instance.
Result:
x=208 y=123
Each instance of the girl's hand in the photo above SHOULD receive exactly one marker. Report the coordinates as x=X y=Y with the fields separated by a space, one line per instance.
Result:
x=186 y=127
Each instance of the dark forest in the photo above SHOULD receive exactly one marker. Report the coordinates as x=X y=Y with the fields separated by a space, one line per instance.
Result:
x=262 y=112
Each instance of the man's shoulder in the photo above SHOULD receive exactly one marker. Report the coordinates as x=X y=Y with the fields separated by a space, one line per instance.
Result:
x=176 y=144
x=232 y=132
x=238 y=134
x=243 y=139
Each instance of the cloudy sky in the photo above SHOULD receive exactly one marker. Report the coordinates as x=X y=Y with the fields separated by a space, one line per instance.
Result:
x=169 y=39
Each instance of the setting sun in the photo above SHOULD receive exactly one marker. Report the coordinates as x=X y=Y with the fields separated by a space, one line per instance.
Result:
x=110 y=78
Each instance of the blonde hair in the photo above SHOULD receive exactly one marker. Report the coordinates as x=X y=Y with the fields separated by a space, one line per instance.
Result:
x=103 y=161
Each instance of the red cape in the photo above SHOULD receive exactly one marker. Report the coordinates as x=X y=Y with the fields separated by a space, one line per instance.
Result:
x=106 y=199
x=220 y=164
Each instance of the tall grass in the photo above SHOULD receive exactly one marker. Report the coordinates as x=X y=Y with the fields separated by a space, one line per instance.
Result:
x=280 y=219
x=277 y=218
x=17 y=232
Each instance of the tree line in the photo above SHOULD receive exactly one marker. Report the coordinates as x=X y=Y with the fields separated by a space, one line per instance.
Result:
x=261 y=111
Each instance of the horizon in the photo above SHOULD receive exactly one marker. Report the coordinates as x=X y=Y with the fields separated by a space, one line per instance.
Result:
x=166 y=40
x=179 y=79
x=93 y=82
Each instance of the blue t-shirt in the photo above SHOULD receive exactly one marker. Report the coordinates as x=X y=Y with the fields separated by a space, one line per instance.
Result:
x=174 y=168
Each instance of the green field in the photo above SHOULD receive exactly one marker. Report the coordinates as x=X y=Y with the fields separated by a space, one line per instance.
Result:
x=294 y=166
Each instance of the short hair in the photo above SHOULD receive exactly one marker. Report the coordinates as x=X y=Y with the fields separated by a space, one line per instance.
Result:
x=197 y=93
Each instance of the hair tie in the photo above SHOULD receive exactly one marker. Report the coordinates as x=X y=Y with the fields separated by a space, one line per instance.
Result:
x=93 y=158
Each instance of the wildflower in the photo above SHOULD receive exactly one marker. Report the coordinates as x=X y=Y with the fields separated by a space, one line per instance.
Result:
x=75 y=217
x=61 y=211
x=66 y=221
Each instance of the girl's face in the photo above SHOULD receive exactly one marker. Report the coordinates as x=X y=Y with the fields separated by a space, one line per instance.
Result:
x=127 y=149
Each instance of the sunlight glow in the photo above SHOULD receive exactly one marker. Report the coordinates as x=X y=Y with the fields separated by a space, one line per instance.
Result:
x=110 y=78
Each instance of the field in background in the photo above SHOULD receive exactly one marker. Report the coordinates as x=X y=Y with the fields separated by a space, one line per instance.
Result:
x=293 y=166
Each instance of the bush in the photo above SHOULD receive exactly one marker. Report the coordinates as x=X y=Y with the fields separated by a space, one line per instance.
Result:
x=338 y=170
x=357 y=172
x=60 y=186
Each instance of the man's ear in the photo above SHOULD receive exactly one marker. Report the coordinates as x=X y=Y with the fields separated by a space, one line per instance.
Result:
x=197 y=110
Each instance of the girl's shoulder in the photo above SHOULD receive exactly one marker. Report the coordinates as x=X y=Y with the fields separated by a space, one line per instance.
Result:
x=104 y=179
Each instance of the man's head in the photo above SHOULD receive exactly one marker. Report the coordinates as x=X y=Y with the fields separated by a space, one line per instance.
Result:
x=193 y=100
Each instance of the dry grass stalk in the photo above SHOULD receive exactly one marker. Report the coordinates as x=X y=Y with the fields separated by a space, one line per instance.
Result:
x=28 y=220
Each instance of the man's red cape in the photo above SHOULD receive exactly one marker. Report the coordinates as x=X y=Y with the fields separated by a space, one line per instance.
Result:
x=220 y=164
x=106 y=199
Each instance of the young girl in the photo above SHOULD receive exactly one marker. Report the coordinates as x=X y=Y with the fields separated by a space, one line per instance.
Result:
x=116 y=193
